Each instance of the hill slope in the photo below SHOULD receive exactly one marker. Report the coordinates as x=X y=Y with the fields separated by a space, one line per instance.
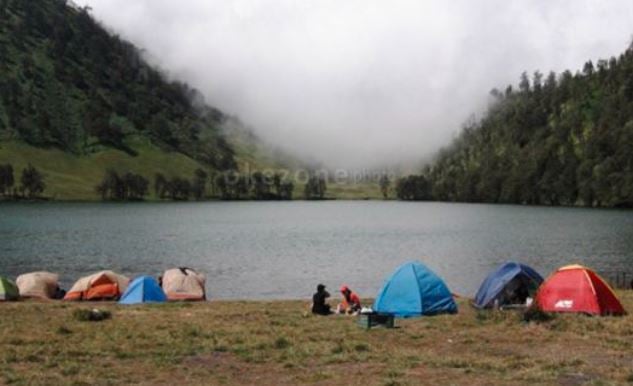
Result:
x=565 y=140
x=72 y=94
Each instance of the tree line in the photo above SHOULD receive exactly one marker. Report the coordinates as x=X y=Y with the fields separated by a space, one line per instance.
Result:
x=560 y=139
x=228 y=185
x=31 y=183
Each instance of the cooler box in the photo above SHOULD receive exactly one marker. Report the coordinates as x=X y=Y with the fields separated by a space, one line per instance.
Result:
x=375 y=319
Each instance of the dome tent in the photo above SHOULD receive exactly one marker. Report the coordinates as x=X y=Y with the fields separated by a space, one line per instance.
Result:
x=183 y=284
x=414 y=290
x=575 y=288
x=511 y=283
x=8 y=290
x=104 y=285
x=41 y=285
x=143 y=289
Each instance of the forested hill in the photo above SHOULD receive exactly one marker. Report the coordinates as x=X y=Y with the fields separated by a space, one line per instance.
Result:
x=563 y=139
x=69 y=85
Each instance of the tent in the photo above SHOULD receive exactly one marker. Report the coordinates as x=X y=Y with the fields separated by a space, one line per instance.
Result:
x=575 y=288
x=511 y=283
x=42 y=285
x=183 y=284
x=8 y=290
x=414 y=290
x=104 y=285
x=143 y=289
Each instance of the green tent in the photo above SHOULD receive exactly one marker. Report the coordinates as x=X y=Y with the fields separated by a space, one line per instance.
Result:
x=8 y=290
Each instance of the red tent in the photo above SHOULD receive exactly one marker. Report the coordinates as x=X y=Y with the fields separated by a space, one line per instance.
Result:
x=575 y=288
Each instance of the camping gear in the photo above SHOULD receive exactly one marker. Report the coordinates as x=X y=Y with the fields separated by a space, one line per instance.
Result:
x=414 y=290
x=143 y=289
x=575 y=288
x=41 y=285
x=510 y=284
x=104 y=285
x=8 y=290
x=375 y=319
x=183 y=284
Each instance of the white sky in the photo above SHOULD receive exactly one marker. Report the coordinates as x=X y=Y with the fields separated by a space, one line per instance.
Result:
x=363 y=82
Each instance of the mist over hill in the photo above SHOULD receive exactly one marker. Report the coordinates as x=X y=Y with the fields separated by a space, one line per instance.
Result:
x=361 y=84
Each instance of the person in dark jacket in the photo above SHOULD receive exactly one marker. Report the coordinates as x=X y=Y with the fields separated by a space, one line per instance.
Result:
x=319 y=301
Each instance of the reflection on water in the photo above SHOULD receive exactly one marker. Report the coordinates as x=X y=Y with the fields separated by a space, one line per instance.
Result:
x=283 y=249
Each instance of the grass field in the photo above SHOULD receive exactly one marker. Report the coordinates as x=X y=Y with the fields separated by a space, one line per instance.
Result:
x=71 y=177
x=278 y=343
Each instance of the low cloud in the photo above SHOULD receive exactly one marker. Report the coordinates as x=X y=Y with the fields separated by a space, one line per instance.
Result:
x=360 y=83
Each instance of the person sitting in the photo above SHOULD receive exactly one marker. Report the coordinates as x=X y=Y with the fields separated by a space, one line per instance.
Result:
x=319 y=301
x=350 y=303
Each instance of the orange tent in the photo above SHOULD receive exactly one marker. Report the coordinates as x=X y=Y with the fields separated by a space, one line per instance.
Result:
x=183 y=284
x=575 y=288
x=42 y=285
x=104 y=285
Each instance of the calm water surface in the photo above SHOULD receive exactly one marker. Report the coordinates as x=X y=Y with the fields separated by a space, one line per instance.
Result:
x=274 y=250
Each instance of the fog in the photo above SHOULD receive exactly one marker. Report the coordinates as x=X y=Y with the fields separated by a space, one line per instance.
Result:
x=360 y=82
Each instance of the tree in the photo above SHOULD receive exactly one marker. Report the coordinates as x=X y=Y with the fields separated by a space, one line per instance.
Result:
x=199 y=184
x=32 y=182
x=524 y=84
x=179 y=188
x=6 y=179
x=277 y=181
x=384 y=186
x=111 y=186
x=136 y=186
x=315 y=188
x=261 y=188
x=285 y=190
x=413 y=188
x=160 y=185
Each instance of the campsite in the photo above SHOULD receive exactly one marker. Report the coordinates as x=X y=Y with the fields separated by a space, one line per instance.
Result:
x=282 y=192
x=438 y=336
x=234 y=342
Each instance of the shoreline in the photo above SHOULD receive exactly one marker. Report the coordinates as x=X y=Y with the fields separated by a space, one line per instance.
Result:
x=49 y=200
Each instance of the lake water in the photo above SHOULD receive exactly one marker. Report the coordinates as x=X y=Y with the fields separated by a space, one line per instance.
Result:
x=278 y=250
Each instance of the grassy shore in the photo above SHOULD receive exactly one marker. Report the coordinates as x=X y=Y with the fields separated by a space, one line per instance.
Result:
x=278 y=343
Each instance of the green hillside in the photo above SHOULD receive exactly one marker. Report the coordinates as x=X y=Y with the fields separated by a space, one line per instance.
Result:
x=564 y=139
x=76 y=100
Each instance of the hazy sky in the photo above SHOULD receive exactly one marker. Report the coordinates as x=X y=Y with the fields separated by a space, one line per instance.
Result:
x=360 y=82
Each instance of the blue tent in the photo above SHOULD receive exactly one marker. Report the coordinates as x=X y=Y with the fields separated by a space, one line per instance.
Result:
x=143 y=289
x=510 y=283
x=414 y=290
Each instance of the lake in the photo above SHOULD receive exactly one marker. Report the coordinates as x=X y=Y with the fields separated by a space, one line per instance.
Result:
x=280 y=250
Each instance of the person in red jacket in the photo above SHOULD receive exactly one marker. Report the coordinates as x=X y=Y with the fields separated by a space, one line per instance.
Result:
x=350 y=304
